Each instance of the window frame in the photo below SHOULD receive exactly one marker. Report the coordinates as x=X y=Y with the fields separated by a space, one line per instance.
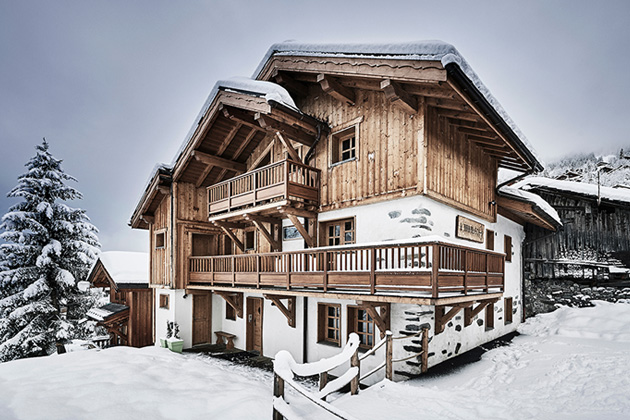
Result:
x=325 y=226
x=490 y=240
x=230 y=312
x=245 y=233
x=337 y=137
x=323 y=327
x=161 y=244
x=490 y=317
x=507 y=247
x=508 y=305
x=164 y=301
x=353 y=326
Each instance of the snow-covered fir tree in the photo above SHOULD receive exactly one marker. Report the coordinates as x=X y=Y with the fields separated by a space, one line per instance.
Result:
x=49 y=247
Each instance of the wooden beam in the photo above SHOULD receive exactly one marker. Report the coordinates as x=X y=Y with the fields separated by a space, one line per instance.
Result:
x=294 y=133
x=228 y=139
x=245 y=143
x=239 y=116
x=430 y=91
x=212 y=160
x=234 y=299
x=470 y=312
x=460 y=115
x=288 y=311
x=293 y=154
x=275 y=245
x=479 y=132
x=381 y=318
x=336 y=90
x=286 y=210
x=399 y=97
x=148 y=218
x=290 y=84
x=307 y=238
x=442 y=317
x=231 y=235
x=163 y=189
x=449 y=104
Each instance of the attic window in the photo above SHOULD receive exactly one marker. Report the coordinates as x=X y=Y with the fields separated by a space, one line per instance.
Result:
x=160 y=240
x=344 y=145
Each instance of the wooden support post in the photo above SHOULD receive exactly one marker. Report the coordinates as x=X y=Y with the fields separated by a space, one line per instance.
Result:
x=278 y=392
x=389 y=354
x=425 y=350
x=325 y=256
x=354 y=383
x=323 y=380
x=442 y=317
x=258 y=223
x=336 y=90
x=293 y=154
x=435 y=266
x=399 y=97
x=231 y=235
x=381 y=319
x=288 y=311
x=302 y=230
x=234 y=299
x=465 y=272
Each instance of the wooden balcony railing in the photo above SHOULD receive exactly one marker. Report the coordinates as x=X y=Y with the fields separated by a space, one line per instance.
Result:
x=285 y=180
x=434 y=269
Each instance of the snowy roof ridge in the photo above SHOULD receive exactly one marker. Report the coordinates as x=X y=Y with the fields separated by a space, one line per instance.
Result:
x=126 y=266
x=537 y=201
x=418 y=50
x=606 y=193
x=269 y=90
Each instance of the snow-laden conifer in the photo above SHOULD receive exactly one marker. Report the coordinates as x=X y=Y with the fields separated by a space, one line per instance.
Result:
x=49 y=247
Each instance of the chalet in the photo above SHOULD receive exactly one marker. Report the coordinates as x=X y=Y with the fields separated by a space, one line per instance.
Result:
x=128 y=317
x=595 y=238
x=343 y=188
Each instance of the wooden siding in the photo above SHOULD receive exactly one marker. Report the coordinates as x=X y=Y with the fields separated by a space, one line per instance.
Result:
x=589 y=232
x=160 y=257
x=140 y=327
x=459 y=173
x=387 y=148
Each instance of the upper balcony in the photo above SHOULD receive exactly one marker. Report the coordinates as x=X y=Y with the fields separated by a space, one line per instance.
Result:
x=282 y=182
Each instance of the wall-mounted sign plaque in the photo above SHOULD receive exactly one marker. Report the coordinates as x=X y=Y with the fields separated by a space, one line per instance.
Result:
x=469 y=229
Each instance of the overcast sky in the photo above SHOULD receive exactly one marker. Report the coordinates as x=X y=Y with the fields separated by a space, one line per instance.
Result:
x=114 y=86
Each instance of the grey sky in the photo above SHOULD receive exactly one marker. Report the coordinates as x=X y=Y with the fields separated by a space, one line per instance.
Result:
x=114 y=86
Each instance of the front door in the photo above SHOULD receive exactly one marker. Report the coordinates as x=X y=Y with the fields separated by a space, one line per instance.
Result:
x=254 y=324
x=202 y=319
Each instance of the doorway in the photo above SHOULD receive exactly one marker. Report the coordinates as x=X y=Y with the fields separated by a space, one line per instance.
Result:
x=254 y=333
x=202 y=319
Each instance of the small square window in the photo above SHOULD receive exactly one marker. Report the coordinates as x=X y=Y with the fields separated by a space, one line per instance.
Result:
x=490 y=317
x=164 y=301
x=344 y=145
x=489 y=240
x=507 y=248
x=230 y=313
x=508 y=309
x=249 y=240
x=160 y=240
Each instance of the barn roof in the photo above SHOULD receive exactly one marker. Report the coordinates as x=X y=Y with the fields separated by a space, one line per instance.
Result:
x=125 y=269
x=608 y=194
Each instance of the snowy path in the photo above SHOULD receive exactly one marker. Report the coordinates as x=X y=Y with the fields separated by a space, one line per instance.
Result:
x=571 y=364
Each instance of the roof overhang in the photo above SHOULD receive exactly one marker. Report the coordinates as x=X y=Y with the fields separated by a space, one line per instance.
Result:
x=158 y=187
x=523 y=211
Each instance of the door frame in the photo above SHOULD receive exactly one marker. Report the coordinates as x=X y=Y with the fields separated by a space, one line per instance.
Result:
x=209 y=322
x=249 y=325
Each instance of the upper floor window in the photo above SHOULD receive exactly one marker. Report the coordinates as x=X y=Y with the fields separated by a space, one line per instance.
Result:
x=339 y=232
x=344 y=145
x=489 y=240
x=249 y=240
x=160 y=240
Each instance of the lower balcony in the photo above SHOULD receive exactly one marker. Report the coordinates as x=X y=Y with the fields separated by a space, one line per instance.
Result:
x=422 y=269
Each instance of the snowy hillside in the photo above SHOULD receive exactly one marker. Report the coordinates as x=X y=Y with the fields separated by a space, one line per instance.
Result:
x=614 y=168
x=569 y=364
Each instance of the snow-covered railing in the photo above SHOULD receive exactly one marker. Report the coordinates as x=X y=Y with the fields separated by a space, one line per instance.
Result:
x=286 y=368
x=412 y=266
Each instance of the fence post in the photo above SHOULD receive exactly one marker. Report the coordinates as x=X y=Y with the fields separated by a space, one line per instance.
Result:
x=354 y=384
x=372 y=270
x=389 y=353
x=434 y=270
x=323 y=380
x=278 y=392
x=425 y=350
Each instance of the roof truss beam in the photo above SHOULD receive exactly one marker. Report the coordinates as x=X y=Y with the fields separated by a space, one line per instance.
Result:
x=399 y=97
x=333 y=88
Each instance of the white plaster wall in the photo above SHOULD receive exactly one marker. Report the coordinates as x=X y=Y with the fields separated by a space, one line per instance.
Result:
x=179 y=310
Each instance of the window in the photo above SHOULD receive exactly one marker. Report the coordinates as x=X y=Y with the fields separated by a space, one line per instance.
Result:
x=361 y=323
x=507 y=308
x=290 y=233
x=490 y=239
x=507 y=248
x=344 y=145
x=490 y=316
x=160 y=240
x=329 y=323
x=249 y=240
x=339 y=232
x=230 y=313
x=164 y=301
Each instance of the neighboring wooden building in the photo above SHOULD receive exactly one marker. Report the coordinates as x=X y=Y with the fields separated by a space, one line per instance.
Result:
x=128 y=317
x=596 y=229
x=342 y=189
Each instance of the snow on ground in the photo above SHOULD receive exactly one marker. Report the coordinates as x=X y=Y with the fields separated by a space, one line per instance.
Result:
x=570 y=364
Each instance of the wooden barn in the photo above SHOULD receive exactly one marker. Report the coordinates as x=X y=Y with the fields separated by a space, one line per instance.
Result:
x=128 y=317
x=594 y=241
x=343 y=188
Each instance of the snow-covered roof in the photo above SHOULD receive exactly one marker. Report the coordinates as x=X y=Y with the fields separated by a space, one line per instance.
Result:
x=538 y=202
x=621 y=195
x=419 y=50
x=105 y=311
x=126 y=267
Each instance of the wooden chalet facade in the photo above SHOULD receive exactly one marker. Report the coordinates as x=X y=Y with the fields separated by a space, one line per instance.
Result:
x=128 y=317
x=341 y=189
x=595 y=235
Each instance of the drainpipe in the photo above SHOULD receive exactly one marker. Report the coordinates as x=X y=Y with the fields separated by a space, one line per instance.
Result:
x=305 y=330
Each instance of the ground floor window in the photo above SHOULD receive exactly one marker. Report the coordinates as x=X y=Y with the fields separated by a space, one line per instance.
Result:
x=360 y=322
x=490 y=316
x=507 y=308
x=329 y=323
